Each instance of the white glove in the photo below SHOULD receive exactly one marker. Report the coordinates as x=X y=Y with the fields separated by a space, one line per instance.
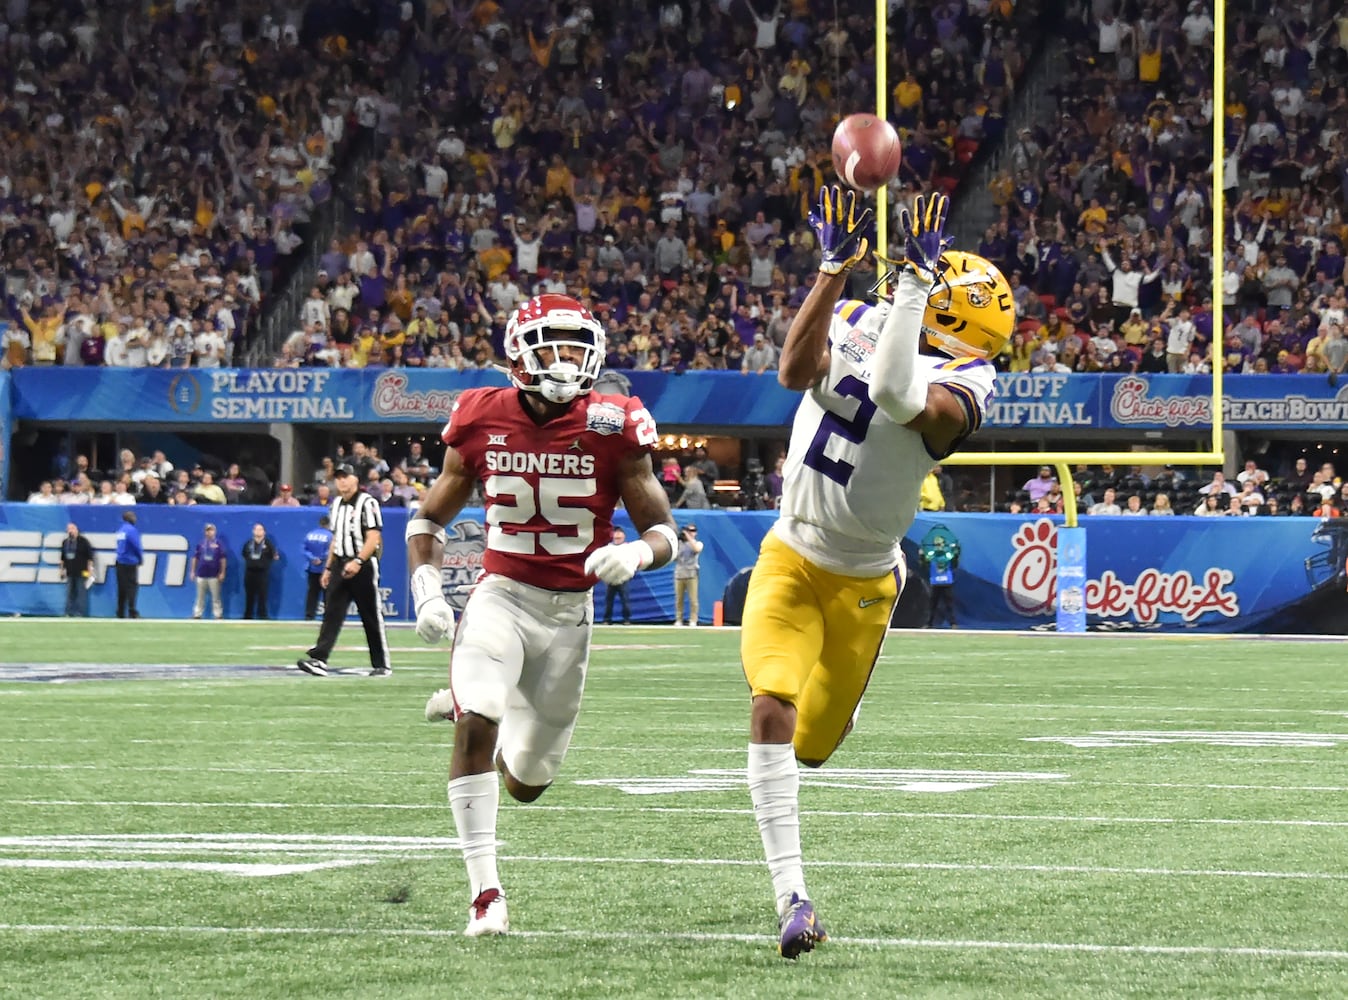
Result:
x=616 y=564
x=435 y=618
x=440 y=706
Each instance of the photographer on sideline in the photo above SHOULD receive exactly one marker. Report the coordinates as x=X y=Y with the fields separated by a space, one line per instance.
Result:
x=686 y=573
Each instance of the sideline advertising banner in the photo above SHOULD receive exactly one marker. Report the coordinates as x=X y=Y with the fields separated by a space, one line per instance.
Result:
x=1173 y=574
x=710 y=399
x=1204 y=574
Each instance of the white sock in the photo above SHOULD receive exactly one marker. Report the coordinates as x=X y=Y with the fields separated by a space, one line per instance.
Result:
x=774 y=785
x=474 y=799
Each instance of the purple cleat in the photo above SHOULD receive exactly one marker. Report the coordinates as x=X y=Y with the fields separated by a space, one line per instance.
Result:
x=801 y=930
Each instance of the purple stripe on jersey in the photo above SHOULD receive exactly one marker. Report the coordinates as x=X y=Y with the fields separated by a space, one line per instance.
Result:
x=971 y=363
x=966 y=400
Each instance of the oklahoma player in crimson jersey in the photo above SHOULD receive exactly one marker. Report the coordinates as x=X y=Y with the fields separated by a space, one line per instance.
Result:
x=553 y=459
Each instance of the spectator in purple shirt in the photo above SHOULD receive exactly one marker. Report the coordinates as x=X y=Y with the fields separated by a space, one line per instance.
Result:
x=208 y=571
x=1042 y=484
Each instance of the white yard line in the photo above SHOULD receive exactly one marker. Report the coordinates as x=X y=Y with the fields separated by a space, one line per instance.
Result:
x=289 y=845
x=421 y=772
x=665 y=753
x=1217 y=787
x=245 y=869
x=1066 y=755
x=694 y=811
x=1016 y=706
x=656 y=937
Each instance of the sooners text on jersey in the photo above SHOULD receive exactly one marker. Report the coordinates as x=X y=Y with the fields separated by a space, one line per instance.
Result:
x=550 y=491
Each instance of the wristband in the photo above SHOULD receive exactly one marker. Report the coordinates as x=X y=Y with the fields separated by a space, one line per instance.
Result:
x=426 y=583
x=669 y=536
x=645 y=554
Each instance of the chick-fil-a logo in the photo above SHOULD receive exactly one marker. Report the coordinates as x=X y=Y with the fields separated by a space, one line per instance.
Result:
x=392 y=398
x=1131 y=404
x=1031 y=577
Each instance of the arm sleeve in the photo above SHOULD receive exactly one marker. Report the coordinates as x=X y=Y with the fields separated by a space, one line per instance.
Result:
x=895 y=386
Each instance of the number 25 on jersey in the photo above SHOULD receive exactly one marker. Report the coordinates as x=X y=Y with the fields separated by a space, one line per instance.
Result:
x=515 y=502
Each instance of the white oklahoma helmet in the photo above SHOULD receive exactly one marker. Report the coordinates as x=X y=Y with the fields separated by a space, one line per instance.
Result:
x=553 y=321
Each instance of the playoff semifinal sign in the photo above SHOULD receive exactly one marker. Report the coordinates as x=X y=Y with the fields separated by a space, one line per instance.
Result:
x=377 y=396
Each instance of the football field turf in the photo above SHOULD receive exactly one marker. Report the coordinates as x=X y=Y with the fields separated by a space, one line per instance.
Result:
x=1014 y=816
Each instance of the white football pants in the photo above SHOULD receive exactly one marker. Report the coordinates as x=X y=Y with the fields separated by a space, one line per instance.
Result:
x=520 y=657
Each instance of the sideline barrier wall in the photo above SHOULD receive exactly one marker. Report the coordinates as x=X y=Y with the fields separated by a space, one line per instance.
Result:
x=1176 y=574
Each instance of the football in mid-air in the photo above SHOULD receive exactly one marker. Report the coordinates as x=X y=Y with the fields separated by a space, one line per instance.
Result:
x=866 y=151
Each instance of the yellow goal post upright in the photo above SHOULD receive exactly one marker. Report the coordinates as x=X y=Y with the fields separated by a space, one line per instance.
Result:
x=1062 y=460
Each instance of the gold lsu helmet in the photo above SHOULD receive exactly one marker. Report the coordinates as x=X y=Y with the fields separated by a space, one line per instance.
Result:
x=970 y=313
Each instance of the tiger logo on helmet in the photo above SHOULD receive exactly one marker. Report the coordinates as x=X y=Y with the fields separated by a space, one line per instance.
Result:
x=971 y=312
x=562 y=327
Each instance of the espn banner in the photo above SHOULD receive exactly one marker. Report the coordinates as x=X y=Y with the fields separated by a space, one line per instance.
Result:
x=381 y=396
x=1174 y=574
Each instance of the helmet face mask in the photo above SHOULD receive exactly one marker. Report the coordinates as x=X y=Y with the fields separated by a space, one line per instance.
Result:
x=555 y=348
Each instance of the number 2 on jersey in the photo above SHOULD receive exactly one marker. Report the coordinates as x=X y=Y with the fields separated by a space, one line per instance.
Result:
x=851 y=429
x=547 y=503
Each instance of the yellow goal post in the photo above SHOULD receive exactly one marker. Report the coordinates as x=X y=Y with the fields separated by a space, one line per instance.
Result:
x=1061 y=459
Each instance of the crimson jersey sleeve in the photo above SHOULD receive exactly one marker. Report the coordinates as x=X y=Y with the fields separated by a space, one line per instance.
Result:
x=624 y=418
x=458 y=428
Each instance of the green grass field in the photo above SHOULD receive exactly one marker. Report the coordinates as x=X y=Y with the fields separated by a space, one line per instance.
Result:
x=1014 y=816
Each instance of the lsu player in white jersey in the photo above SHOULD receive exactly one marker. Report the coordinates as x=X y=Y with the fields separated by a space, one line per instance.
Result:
x=889 y=389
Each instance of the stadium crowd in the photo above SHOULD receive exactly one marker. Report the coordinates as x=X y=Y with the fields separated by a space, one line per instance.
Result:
x=692 y=481
x=658 y=166
x=689 y=478
x=535 y=146
x=158 y=170
x=1105 y=228
x=1104 y=490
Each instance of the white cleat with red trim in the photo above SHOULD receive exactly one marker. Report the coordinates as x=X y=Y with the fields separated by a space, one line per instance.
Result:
x=487 y=914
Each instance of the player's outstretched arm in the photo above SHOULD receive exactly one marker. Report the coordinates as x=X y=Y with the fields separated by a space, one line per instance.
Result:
x=648 y=506
x=426 y=546
x=804 y=359
x=840 y=228
x=898 y=388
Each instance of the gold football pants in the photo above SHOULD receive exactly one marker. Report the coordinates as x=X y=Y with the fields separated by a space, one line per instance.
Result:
x=811 y=638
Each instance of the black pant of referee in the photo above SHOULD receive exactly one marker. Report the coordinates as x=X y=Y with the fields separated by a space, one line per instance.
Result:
x=363 y=589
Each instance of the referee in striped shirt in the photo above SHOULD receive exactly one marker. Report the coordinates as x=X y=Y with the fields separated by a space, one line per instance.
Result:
x=351 y=574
